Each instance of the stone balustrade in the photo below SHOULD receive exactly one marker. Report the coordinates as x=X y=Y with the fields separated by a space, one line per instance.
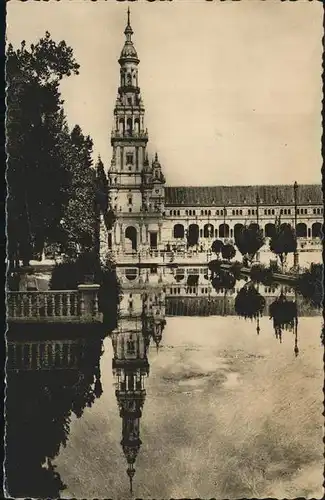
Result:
x=43 y=355
x=62 y=306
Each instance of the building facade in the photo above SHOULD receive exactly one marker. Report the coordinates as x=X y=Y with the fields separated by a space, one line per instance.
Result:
x=153 y=216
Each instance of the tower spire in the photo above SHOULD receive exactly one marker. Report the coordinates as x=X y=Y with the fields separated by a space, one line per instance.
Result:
x=130 y=472
x=128 y=30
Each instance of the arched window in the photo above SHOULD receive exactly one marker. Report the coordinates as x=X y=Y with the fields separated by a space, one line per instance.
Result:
x=186 y=212
x=316 y=230
x=131 y=235
x=208 y=231
x=224 y=231
x=301 y=230
x=193 y=212
x=217 y=212
x=137 y=125
x=121 y=126
x=269 y=230
x=233 y=212
x=178 y=231
x=248 y=212
x=129 y=126
x=193 y=234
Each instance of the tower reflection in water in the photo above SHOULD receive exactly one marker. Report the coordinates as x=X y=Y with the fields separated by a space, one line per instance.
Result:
x=142 y=320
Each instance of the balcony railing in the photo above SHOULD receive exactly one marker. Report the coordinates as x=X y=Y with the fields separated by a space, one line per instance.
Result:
x=127 y=134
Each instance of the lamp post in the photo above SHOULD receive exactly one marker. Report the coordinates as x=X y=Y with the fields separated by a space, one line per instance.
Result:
x=257 y=207
x=257 y=221
x=296 y=254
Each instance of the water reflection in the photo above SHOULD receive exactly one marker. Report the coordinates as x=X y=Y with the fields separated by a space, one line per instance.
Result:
x=51 y=379
x=141 y=318
x=47 y=381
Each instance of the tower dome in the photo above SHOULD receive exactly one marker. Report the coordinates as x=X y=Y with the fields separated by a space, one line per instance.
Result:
x=128 y=52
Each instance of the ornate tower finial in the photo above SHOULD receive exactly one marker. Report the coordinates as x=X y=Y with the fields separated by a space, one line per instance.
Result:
x=156 y=156
x=130 y=472
x=128 y=30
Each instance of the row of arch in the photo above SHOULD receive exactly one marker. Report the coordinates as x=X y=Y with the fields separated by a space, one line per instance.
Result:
x=129 y=126
x=224 y=231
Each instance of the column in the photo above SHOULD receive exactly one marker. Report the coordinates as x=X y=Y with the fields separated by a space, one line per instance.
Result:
x=117 y=233
x=122 y=236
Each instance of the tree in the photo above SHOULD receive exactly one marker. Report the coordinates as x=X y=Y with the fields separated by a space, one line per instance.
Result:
x=79 y=218
x=39 y=405
x=283 y=241
x=284 y=314
x=224 y=280
x=228 y=252
x=310 y=285
x=249 y=239
x=37 y=134
x=102 y=195
x=249 y=303
x=260 y=274
x=217 y=247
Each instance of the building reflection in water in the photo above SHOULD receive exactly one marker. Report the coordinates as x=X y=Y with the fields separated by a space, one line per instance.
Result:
x=47 y=381
x=141 y=319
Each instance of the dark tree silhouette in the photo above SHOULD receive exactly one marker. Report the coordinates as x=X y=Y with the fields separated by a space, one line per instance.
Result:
x=217 y=247
x=283 y=241
x=310 y=285
x=40 y=401
x=249 y=239
x=284 y=314
x=38 y=176
x=249 y=303
x=228 y=252
x=260 y=274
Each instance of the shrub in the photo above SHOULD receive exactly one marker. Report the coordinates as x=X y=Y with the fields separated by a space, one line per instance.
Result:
x=249 y=303
x=310 y=285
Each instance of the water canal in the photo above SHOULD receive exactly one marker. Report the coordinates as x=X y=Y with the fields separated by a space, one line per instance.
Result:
x=185 y=402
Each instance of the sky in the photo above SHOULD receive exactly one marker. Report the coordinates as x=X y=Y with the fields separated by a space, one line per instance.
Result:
x=232 y=90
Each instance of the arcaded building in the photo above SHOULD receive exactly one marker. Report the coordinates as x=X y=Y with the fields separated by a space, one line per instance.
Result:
x=153 y=215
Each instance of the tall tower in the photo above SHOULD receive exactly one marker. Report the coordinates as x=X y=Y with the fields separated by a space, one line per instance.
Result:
x=130 y=367
x=136 y=187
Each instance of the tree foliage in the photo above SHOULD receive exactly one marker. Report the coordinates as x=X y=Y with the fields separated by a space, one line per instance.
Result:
x=39 y=406
x=310 y=285
x=261 y=274
x=283 y=241
x=217 y=247
x=228 y=251
x=248 y=240
x=284 y=314
x=223 y=280
x=249 y=303
x=51 y=184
